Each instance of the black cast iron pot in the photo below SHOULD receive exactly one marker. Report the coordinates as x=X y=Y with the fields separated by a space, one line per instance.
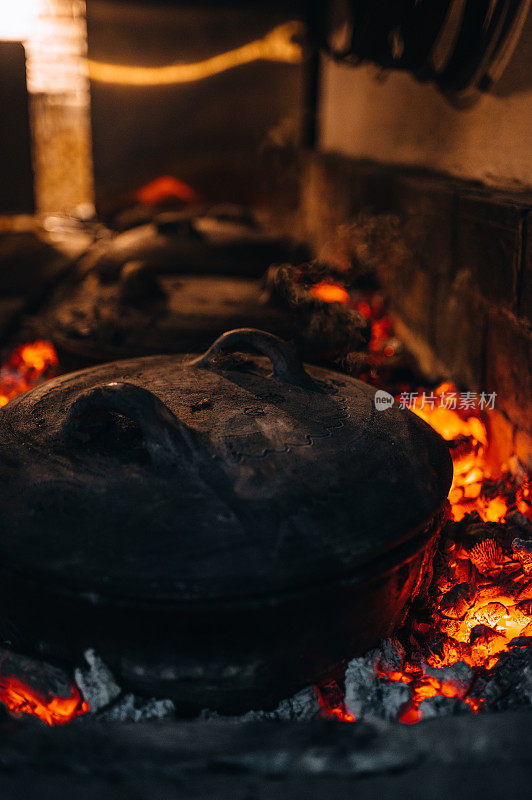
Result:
x=221 y=533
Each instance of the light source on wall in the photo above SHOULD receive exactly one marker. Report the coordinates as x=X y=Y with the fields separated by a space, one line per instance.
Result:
x=54 y=35
x=16 y=19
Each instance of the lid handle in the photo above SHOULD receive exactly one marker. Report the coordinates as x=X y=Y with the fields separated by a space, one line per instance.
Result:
x=161 y=430
x=287 y=366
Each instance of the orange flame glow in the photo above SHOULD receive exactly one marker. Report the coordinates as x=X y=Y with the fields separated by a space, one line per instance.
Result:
x=331 y=703
x=339 y=713
x=27 y=365
x=471 y=471
x=22 y=699
x=480 y=632
x=330 y=292
x=164 y=189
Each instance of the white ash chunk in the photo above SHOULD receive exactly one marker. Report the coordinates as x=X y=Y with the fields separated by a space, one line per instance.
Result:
x=302 y=707
x=443 y=707
x=135 y=709
x=458 y=676
x=369 y=696
x=395 y=696
x=96 y=682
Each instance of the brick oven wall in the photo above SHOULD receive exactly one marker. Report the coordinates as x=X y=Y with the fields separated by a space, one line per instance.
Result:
x=455 y=260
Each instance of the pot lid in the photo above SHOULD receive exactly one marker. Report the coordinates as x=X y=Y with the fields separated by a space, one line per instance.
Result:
x=181 y=479
x=224 y=240
x=144 y=314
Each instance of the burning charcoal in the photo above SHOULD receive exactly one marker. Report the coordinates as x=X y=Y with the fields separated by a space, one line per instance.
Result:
x=522 y=549
x=485 y=642
x=511 y=685
x=447 y=543
x=518 y=520
x=324 y=329
x=521 y=615
x=96 y=682
x=450 y=627
x=483 y=634
x=491 y=614
x=525 y=606
x=368 y=696
x=134 y=709
x=470 y=525
x=31 y=686
x=486 y=555
x=507 y=575
x=492 y=591
x=473 y=531
x=525 y=591
x=41 y=678
x=457 y=601
x=436 y=643
x=440 y=706
x=458 y=676
x=465 y=571
x=445 y=582
x=521 y=641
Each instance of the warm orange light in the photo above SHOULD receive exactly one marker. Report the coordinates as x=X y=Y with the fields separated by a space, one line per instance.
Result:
x=470 y=464
x=474 y=488
x=493 y=607
x=22 y=699
x=277 y=45
x=364 y=308
x=26 y=365
x=330 y=292
x=341 y=714
x=332 y=707
x=166 y=188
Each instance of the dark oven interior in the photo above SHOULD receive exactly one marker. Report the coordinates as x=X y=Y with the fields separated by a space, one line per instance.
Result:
x=265 y=398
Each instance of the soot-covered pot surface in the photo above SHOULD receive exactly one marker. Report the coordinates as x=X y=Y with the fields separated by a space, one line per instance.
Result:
x=172 y=285
x=222 y=532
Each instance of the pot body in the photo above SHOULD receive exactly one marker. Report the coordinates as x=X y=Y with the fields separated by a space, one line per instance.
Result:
x=225 y=657
x=221 y=533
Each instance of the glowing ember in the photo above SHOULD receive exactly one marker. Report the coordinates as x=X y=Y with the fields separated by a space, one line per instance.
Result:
x=22 y=699
x=372 y=307
x=26 y=366
x=479 y=604
x=339 y=713
x=330 y=700
x=330 y=292
x=474 y=487
x=165 y=189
